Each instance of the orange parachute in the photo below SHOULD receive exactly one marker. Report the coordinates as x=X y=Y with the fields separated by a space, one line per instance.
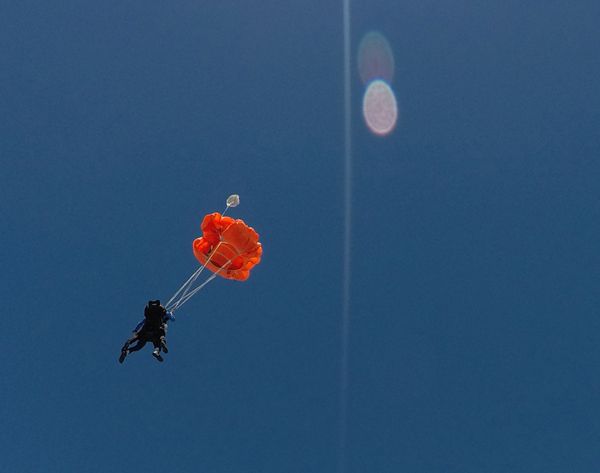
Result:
x=228 y=247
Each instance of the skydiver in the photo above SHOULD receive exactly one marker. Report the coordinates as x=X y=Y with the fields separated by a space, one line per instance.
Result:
x=152 y=328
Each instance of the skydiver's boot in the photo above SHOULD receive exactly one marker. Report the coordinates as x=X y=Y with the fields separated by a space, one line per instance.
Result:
x=124 y=353
x=156 y=354
x=163 y=344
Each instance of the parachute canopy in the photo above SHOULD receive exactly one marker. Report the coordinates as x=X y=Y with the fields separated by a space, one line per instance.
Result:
x=228 y=247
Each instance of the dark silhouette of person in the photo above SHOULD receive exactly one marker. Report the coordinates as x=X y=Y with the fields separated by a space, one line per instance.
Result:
x=152 y=328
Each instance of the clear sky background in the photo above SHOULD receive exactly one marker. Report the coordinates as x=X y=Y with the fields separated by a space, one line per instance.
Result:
x=474 y=330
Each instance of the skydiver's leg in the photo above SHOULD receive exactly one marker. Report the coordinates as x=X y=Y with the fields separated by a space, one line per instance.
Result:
x=136 y=336
x=138 y=346
x=163 y=344
x=163 y=339
x=157 y=346
x=125 y=350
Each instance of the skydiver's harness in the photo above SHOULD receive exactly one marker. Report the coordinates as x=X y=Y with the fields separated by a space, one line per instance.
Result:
x=154 y=325
x=154 y=314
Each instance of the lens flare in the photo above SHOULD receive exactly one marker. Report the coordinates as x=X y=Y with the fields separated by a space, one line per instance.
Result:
x=375 y=58
x=380 y=109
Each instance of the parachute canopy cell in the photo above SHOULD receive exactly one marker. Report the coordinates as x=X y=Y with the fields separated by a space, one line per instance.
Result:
x=228 y=247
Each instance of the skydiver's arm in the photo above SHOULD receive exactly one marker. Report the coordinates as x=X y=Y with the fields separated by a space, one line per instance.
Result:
x=139 y=326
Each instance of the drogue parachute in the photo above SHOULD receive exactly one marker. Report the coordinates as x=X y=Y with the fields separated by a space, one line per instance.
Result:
x=228 y=248
x=233 y=201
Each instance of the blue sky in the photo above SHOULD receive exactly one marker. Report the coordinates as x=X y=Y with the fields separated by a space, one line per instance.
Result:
x=473 y=340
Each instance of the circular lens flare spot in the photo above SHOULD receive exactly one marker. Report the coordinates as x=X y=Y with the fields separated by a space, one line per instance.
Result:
x=380 y=109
